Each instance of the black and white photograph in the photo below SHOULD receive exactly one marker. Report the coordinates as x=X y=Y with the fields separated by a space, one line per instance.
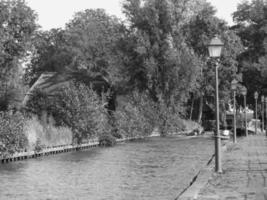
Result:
x=133 y=99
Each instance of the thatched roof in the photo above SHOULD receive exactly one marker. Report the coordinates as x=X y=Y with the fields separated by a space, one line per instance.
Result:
x=52 y=82
x=49 y=82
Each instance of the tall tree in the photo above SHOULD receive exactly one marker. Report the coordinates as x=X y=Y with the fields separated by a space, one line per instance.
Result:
x=50 y=53
x=93 y=37
x=17 y=26
x=198 y=32
x=251 y=26
x=166 y=67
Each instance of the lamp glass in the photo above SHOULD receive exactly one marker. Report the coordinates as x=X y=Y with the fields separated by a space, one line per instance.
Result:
x=234 y=84
x=215 y=47
x=215 y=51
x=256 y=95
x=262 y=98
x=244 y=91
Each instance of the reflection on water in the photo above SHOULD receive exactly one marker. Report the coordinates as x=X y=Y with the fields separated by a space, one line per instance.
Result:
x=154 y=169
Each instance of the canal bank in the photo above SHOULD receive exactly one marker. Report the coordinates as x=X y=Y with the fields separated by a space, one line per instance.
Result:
x=18 y=156
x=244 y=174
x=192 y=191
x=24 y=155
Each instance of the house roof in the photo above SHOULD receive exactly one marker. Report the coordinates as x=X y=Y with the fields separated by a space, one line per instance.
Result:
x=48 y=82
x=52 y=82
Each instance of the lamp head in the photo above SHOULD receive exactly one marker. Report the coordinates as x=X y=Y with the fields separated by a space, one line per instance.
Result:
x=256 y=95
x=244 y=91
x=234 y=84
x=215 y=47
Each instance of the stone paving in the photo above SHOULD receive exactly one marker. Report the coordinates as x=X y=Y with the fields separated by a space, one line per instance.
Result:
x=244 y=174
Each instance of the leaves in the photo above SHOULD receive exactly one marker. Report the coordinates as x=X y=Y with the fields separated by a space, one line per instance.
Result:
x=17 y=25
x=158 y=61
x=251 y=27
x=12 y=137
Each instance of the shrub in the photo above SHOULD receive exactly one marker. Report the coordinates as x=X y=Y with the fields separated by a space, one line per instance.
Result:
x=39 y=102
x=77 y=107
x=12 y=137
x=136 y=117
x=169 y=120
x=81 y=109
x=116 y=134
x=47 y=133
x=107 y=140
x=38 y=146
x=140 y=115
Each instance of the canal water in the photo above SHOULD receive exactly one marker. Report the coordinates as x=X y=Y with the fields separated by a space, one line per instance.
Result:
x=152 y=169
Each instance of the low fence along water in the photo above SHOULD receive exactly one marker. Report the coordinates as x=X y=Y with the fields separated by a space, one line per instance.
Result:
x=57 y=149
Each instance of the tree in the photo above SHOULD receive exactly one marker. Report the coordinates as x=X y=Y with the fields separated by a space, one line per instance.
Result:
x=17 y=26
x=198 y=32
x=75 y=106
x=159 y=61
x=93 y=37
x=251 y=24
x=166 y=67
x=50 y=53
x=85 y=51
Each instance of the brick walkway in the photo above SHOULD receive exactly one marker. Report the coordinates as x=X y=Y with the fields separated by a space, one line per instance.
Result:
x=244 y=172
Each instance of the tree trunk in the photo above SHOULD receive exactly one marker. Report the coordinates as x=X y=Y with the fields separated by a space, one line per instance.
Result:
x=200 y=111
x=192 y=107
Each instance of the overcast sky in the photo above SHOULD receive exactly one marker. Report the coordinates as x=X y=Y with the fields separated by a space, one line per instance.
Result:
x=55 y=13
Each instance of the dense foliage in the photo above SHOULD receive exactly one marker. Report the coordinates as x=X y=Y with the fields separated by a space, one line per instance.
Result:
x=17 y=26
x=199 y=31
x=251 y=24
x=136 y=117
x=75 y=106
x=12 y=137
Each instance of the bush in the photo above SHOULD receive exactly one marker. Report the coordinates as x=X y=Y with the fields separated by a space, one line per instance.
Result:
x=116 y=134
x=136 y=117
x=38 y=103
x=38 y=146
x=107 y=140
x=47 y=134
x=77 y=107
x=81 y=109
x=140 y=115
x=12 y=137
x=169 y=120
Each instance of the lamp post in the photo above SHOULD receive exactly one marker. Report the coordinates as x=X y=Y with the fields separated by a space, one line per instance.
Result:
x=262 y=113
x=244 y=93
x=233 y=88
x=215 y=49
x=256 y=95
x=266 y=114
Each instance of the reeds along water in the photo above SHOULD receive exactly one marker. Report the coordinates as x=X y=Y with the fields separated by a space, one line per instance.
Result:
x=46 y=133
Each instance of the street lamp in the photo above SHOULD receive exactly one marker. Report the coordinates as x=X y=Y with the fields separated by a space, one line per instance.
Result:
x=215 y=49
x=266 y=114
x=244 y=93
x=262 y=113
x=256 y=95
x=233 y=88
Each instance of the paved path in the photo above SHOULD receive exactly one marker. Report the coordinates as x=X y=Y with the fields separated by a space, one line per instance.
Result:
x=244 y=174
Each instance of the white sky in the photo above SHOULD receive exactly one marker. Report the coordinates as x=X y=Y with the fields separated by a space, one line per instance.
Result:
x=55 y=13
